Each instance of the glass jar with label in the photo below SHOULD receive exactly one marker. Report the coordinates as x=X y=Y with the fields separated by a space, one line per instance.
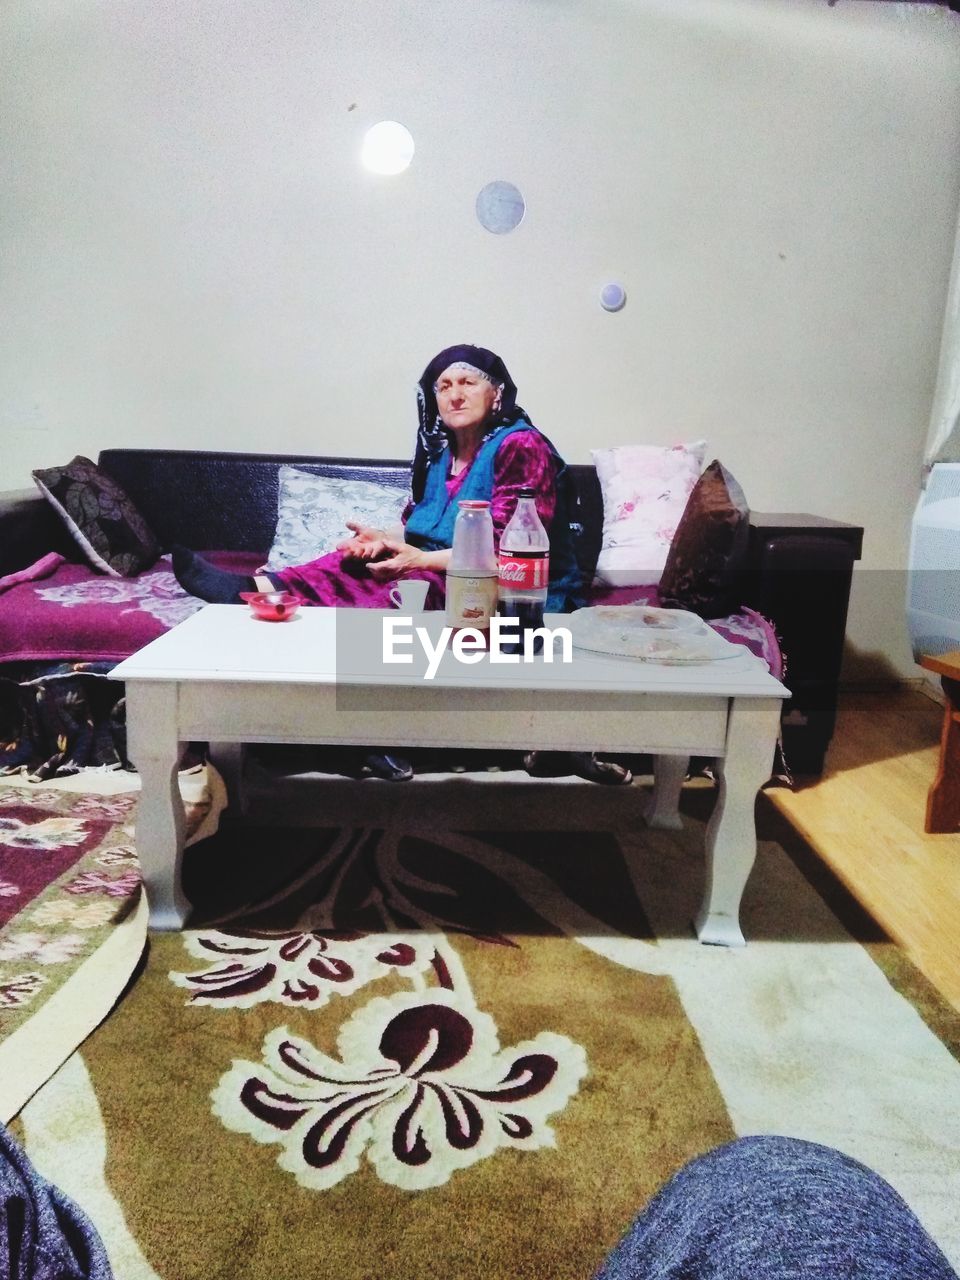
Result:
x=472 y=572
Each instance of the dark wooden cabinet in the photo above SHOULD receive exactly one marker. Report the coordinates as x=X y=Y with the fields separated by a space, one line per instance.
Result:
x=799 y=575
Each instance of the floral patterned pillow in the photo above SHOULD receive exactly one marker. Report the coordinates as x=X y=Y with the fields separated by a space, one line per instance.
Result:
x=312 y=513
x=645 y=489
x=100 y=516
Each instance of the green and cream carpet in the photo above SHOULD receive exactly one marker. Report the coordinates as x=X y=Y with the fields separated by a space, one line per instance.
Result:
x=441 y=1050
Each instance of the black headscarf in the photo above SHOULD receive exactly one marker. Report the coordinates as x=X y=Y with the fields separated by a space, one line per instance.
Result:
x=432 y=436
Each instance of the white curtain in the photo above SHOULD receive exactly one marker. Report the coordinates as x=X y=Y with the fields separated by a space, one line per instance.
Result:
x=943 y=437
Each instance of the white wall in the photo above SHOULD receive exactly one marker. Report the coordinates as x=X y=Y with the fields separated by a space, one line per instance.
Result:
x=192 y=257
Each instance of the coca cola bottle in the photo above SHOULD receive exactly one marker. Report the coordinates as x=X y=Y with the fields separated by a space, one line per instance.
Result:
x=472 y=571
x=524 y=570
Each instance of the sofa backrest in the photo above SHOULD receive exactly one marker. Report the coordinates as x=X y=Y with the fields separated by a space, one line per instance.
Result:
x=228 y=501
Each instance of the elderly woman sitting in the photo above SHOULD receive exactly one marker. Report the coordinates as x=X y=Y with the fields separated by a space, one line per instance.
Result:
x=474 y=442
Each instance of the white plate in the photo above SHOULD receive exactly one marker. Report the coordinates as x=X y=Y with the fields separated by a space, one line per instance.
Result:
x=650 y=617
x=648 y=634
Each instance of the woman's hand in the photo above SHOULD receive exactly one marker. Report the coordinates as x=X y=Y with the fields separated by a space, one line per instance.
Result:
x=366 y=542
x=404 y=560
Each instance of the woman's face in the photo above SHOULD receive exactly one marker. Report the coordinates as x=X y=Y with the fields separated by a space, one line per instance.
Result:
x=464 y=398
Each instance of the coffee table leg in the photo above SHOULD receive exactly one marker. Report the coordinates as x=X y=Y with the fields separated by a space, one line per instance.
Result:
x=731 y=842
x=663 y=811
x=155 y=749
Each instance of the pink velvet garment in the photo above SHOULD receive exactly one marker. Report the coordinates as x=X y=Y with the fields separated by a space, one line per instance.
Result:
x=325 y=582
x=41 y=568
x=523 y=460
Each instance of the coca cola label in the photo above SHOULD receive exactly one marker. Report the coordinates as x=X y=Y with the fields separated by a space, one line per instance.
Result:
x=524 y=573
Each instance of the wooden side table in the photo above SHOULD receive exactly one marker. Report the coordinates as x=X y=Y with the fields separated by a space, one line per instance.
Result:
x=943 y=799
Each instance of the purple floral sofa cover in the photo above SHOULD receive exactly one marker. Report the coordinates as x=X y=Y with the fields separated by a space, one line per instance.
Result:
x=76 y=614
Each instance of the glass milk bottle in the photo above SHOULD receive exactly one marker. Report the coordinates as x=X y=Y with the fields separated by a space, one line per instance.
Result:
x=472 y=572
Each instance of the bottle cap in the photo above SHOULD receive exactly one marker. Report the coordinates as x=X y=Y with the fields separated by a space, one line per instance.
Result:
x=526 y=492
x=474 y=504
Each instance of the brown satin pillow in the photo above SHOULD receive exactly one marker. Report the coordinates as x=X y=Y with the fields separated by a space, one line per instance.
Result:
x=703 y=568
x=100 y=517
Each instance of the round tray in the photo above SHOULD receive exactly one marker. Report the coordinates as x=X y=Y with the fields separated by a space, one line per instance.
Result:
x=647 y=633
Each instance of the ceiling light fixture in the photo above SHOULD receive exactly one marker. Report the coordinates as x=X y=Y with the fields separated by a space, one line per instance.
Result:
x=387 y=148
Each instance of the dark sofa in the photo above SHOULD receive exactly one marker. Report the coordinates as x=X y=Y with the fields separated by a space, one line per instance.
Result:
x=797 y=573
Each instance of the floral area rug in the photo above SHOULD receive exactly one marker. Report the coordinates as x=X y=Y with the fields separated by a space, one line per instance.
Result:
x=73 y=922
x=434 y=1052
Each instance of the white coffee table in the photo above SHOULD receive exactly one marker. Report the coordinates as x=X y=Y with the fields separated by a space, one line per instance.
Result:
x=222 y=676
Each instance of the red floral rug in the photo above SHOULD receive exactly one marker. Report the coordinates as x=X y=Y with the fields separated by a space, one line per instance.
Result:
x=73 y=920
x=71 y=926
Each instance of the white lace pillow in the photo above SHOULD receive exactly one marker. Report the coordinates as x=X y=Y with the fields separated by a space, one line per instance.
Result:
x=645 y=489
x=312 y=513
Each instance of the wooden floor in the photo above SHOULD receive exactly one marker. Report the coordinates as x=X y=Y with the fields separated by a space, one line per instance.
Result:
x=865 y=816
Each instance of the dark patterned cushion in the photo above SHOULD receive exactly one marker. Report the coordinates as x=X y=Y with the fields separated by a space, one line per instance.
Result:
x=100 y=517
x=706 y=555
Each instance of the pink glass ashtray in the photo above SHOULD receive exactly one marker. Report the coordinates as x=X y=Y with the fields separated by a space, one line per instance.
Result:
x=271 y=606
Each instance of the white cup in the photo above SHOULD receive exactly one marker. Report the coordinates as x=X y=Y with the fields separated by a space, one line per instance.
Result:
x=410 y=594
